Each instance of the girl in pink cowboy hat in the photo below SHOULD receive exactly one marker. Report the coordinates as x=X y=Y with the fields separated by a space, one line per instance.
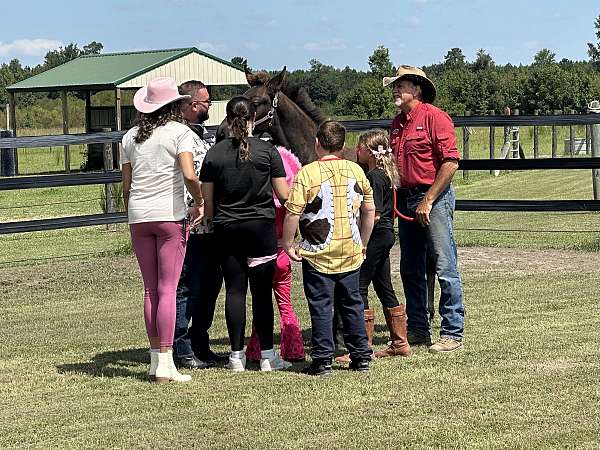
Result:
x=156 y=163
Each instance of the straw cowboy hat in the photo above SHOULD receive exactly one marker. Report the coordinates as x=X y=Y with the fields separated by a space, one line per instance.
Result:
x=417 y=76
x=156 y=94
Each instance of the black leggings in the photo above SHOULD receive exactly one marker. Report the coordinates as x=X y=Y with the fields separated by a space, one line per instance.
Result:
x=240 y=241
x=376 y=268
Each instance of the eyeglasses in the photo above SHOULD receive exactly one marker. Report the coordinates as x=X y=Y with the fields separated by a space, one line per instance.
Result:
x=206 y=102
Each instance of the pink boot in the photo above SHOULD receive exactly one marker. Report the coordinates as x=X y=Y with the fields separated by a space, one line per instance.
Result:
x=291 y=346
x=253 y=347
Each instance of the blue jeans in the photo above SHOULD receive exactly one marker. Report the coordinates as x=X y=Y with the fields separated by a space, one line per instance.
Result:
x=437 y=239
x=321 y=291
x=199 y=286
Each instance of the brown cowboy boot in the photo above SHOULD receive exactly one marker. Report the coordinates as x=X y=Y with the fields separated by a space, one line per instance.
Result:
x=370 y=326
x=396 y=321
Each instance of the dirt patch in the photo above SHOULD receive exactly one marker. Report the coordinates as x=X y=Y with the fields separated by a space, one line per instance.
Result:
x=489 y=259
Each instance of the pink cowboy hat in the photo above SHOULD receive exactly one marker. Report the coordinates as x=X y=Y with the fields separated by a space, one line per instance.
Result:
x=158 y=93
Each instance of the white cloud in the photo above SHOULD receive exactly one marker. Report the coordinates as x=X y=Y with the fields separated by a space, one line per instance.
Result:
x=332 y=44
x=251 y=45
x=29 y=47
x=210 y=47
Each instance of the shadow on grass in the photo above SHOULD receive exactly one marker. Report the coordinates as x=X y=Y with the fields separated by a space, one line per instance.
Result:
x=119 y=363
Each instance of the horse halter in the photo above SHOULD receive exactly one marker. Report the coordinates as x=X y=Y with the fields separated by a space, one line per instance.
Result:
x=269 y=116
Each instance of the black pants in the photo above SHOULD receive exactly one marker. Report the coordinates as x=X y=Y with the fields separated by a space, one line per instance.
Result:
x=239 y=241
x=376 y=268
x=322 y=292
x=199 y=286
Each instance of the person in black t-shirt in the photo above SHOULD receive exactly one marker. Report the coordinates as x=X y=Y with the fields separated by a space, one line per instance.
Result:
x=239 y=175
x=374 y=152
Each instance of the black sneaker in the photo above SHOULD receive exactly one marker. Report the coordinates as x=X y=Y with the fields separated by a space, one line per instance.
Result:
x=360 y=365
x=211 y=357
x=318 y=368
x=191 y=362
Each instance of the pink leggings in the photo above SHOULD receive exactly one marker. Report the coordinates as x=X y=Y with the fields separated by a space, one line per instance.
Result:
x=160 y=250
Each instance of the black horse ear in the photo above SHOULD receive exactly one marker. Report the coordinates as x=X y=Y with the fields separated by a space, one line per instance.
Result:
x=277 y=82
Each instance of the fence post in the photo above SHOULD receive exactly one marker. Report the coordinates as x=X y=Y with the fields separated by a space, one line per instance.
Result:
x=492 y=139
x=571 y=137
x=8 y=162
x=515 y=138
x=595 y=141
x=536 y=137
x=466 y=133
x=555 y=135
x=109 y=191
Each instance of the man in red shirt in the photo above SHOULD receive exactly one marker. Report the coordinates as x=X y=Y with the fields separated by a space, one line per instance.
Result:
x=424 y=144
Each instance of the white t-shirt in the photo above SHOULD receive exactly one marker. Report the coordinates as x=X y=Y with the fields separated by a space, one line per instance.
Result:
x=157 y=188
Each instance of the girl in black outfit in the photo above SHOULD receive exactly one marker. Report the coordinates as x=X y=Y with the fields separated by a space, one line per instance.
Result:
x=239 y=175
x=373 y=151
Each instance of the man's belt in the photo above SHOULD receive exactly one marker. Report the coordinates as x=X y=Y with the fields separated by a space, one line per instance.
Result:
x=412 y=191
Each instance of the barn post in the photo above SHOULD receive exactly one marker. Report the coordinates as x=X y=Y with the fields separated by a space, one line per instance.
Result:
x=118 y=124
x=65 y=118
x=13 y=126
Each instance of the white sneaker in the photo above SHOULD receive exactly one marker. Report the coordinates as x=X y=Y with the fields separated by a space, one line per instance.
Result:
x=236 y=364
x=166 y=370
x=274 y=363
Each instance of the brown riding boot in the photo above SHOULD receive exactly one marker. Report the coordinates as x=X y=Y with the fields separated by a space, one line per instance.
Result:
x=370 y=326
x=396 y=322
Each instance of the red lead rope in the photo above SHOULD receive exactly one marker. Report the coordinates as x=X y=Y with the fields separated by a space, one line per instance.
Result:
x=398 y=213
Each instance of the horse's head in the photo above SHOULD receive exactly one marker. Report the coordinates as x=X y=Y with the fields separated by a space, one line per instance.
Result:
x=263 y=94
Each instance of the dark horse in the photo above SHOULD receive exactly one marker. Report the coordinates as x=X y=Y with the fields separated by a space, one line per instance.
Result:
x=286 y=113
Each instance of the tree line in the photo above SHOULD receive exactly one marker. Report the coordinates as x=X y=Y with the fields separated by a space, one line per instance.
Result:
x=478 y=86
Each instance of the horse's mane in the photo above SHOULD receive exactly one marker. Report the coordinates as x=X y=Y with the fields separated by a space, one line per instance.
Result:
x=297 y=94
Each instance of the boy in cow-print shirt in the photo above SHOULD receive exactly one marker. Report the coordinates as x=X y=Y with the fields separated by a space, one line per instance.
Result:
x=332 y=203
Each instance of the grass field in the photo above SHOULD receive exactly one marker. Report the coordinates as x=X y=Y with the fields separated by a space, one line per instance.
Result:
x=73 y=353
x=73 y=359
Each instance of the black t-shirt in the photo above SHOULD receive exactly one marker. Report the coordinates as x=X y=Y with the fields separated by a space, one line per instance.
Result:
x=383 y=197
x=242 y=189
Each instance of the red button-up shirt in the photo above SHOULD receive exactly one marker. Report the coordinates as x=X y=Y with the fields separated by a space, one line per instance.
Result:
x=421 y=140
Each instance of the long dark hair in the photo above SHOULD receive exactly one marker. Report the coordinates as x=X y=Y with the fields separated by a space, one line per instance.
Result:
x=239 y=112
x=146 y=123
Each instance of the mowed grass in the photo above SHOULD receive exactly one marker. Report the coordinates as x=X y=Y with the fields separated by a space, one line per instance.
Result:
x=74 y=355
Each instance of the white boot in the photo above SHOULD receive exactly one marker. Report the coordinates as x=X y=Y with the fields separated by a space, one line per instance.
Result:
x=269 y=361
x=153 y=363
x=237 y=361
x=166 y=370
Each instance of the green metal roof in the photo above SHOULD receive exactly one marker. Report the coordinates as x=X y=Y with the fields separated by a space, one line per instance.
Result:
x=104 y=71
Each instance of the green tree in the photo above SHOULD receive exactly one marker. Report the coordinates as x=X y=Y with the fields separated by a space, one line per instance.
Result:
x=240 y=61
x=380 y=63
x=594 y=49
x=483 y=60
x=544 y=56
x=455 y=59
x=367 y=100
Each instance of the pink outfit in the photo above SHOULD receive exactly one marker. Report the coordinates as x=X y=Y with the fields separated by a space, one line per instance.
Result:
x=291 y=346
x=160 y=250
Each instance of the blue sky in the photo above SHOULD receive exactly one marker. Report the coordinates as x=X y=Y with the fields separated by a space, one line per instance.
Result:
x=271 y=33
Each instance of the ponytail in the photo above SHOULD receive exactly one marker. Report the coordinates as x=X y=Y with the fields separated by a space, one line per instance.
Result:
x=240 y=111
